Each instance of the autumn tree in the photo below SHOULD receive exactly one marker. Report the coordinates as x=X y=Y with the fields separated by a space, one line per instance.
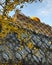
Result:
x=25 y=41
x=8 y=5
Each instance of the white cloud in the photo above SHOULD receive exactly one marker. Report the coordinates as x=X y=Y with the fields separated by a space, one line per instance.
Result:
x=44 y=12
x=47 y=9
x=49 y=3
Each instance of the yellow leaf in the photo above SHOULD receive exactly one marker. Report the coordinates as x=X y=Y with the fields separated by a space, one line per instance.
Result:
x=0 y=16
x=10 y=7
x=16 y=2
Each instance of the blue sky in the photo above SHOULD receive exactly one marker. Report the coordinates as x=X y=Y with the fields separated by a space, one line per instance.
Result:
x=41 y=10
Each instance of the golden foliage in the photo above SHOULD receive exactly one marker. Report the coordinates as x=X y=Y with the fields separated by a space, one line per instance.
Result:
x=16 y=1
x=8 y=25
x=9 y=7
x=0 y=17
